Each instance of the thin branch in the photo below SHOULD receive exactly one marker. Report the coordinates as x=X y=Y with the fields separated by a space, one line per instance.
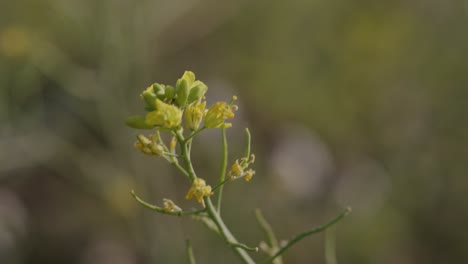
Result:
x=223 y=169
x=330 y=246
x=270 y=235
x=247 y=150
x=190 y=254
x=308 y=233
x=221 y=184
x=180 y=168
x=161 y=209
x=194 y=133
x=239 y=245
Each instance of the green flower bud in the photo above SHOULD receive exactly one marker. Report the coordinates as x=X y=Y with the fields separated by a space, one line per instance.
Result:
x=149 y=96
x=169 y=92
x=197 y=92
x=189 y=77
x=166 y=115
x=159 y=90
x=182 y=93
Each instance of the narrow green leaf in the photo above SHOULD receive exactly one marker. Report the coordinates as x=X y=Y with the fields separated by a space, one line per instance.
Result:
x=137 y=122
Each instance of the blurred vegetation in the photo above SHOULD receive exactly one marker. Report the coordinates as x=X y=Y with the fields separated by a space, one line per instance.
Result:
x=359 y=103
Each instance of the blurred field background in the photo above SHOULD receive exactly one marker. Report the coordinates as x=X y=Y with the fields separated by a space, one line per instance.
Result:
x=360 y=103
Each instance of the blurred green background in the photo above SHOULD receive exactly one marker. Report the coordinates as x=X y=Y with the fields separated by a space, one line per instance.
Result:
x=360 y=103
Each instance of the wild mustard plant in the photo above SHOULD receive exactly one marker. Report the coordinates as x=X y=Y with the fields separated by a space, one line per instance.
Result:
x=173 y=109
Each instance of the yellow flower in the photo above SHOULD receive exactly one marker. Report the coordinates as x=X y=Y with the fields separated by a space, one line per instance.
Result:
x=238 y=170
x=194 y=114
x=249 y=174
x=170 y=206
x=218 y=113
x=148 y=147
x=166 y=115
x=199 y=189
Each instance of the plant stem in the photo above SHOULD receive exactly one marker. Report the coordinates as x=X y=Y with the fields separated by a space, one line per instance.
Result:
x=330 y=246
x=223 y=169
x=270 y=236
x=227 y=235
x=194 y=133
x=308 y=233
x=210 y=208
x=191 y=257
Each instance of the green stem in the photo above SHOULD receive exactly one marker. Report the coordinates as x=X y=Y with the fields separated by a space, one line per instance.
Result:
x=220 y=184
x=239 y=245
x=247 y=150
x=223 y=169
x=270 y=236
x=225 y=233
x=308 y=233
x=210 y=208
x=330 y=247
x=194 y=133
x=190 y=254
x=162 y=210
x=180 y=168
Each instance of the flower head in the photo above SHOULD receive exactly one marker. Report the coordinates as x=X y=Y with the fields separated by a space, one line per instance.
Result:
x=199 y=189
x=218 y=113
x=166 y=115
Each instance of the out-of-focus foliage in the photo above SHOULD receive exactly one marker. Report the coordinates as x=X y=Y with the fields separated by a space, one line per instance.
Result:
x=359 y=103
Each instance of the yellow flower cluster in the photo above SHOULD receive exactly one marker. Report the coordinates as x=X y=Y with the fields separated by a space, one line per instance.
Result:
x=218 y=113
x=167 y=104
x=199 y=189
x=239 y=169
x=148 y=146
x=166 y=115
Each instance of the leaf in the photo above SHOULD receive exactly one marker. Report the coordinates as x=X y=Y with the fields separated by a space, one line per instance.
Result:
x=137 y=122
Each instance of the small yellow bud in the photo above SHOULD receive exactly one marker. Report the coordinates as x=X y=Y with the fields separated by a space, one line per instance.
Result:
x=217 y=114
x=170 y=206
x=199 y=189
x=236 y=170
x=166 y=115
x=249 y=174
x=194 y=115
x=173 y=144
x=148 y=147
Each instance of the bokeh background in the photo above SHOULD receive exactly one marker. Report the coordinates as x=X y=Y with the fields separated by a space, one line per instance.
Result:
x=350 y=103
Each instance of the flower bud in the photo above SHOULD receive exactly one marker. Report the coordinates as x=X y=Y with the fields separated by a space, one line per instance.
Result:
x=148 y=146
x=150 y=97
x=197 y=92
x=166 y=115
x=194 y=114
x=169 y=92
x=170 y=206
x=182 y=92
x=159 y=90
